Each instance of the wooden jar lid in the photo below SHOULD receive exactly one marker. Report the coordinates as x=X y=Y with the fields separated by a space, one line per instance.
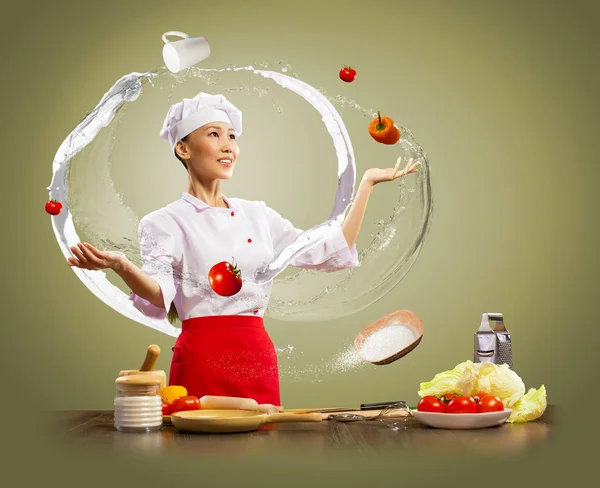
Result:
x=138 y=384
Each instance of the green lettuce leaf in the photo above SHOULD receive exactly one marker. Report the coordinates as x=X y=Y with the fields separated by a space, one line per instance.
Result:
x=500 y=381
x=530 y=407
x=458 y=381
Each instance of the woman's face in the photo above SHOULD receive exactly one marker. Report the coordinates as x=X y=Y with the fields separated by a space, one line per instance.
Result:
x=210 y=151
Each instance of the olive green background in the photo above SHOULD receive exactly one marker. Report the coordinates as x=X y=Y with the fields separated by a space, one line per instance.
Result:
x=503 y=96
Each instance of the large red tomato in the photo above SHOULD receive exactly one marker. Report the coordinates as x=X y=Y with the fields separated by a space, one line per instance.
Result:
x=225 y=278
x=462 y=404
x=431 y=404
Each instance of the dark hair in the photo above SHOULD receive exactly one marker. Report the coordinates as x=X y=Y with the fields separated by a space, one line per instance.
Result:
x=172 y=314
x=175 y=152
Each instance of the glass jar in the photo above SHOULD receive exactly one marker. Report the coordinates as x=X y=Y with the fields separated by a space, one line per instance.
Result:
x=138 y=405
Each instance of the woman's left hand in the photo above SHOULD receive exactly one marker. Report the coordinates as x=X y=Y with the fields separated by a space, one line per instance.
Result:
x=376 y=175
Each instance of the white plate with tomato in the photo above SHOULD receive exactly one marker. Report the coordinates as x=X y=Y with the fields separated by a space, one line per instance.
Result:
x=462 y=412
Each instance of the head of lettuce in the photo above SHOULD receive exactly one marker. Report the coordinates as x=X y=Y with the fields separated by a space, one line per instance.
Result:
x=470 y=378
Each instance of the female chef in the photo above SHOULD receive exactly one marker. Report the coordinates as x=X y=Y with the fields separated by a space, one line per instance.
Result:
x=223 y=348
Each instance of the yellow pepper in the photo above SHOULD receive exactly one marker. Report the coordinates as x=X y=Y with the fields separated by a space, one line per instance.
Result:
x=172 y=392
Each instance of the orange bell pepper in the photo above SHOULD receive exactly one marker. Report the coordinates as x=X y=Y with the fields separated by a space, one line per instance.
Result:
x=383 y=130
x=172 y=392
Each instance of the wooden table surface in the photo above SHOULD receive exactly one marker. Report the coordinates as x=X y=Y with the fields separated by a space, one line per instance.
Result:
x=95 y=428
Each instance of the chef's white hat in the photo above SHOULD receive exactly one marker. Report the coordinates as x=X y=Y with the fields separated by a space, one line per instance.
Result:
x=191 y=113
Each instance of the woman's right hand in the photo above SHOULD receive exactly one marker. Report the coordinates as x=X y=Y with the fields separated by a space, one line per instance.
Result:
x=88 y=257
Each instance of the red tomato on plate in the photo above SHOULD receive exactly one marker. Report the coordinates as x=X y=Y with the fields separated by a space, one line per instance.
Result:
x=225 y=279
x=431 y=404
x=166 y=408
x=185 y=403
x=462 y=404
x=447 y=397
x=479 y=396
x=490 y=403
x=347 y=74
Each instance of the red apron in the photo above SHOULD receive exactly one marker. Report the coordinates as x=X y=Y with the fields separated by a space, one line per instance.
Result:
x=226 y=355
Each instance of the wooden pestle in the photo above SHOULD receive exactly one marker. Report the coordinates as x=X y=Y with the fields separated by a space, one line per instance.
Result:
x=148 y=366
x=151 y=357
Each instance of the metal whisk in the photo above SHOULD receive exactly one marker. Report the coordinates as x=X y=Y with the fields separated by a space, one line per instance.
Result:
x=394 y=416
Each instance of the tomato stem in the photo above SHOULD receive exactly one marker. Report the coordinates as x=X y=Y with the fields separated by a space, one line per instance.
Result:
x=380 y=126
x=236 y=271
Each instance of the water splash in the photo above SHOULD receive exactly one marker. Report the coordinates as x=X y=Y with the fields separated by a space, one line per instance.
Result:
x=337 y=294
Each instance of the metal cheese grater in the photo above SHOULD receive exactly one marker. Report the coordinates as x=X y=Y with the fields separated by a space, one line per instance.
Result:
x=493 y=346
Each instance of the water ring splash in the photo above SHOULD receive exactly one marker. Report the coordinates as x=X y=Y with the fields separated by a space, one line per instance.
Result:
x=128 y=89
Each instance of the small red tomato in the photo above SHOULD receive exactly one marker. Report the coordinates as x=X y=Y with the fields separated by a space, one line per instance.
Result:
x=490 y=403
x=447 y=397
x=431 y=404
x=347 y=74
x=53 y=207
x=166 y=408
x=225 y=279
x=479 y=396
x=185 y=403
x=462 y=404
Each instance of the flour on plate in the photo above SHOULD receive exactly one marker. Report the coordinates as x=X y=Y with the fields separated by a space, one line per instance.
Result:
x=387 y=341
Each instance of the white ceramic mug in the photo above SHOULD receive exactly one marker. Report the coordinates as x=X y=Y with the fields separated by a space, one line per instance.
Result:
x=184 y=53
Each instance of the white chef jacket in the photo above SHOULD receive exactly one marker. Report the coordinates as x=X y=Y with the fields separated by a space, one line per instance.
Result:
x=182 y=241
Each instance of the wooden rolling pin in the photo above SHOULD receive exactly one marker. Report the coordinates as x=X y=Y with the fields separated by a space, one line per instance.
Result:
x=209 y=402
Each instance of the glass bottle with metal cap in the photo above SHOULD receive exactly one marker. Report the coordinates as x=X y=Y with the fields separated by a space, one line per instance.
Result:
x=138 y=405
